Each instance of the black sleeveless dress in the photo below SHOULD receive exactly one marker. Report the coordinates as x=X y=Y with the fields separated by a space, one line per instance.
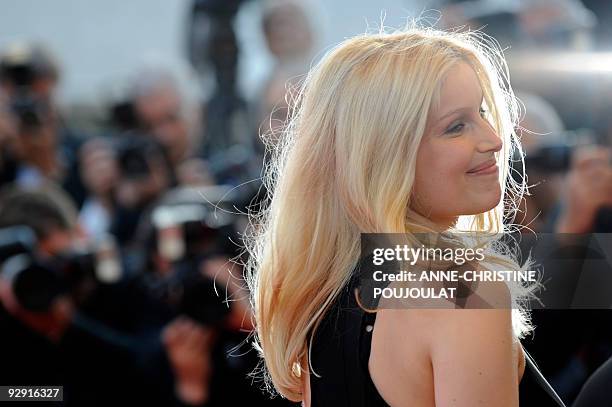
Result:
x=341 y=350
x=340 y=353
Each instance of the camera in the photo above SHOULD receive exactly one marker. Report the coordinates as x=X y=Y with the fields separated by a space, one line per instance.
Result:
x=37 y=281
x=21 y=67
x=550 y=158
x=31 y=112
x=189 y=227
x=134 y=152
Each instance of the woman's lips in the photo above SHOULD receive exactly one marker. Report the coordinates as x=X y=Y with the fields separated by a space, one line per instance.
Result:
x=490 y=167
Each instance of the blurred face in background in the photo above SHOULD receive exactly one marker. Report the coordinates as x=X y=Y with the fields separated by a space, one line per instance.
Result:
x=287 y=31
x=8 y=123
x=160 y=112
x=37 y=139
x=456 y=169
x=99 y=170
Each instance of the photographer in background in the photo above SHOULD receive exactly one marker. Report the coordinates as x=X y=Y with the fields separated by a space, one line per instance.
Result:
x=159 y=110
x=155 y=106
x=144 y=175
x=188 y=239
x=99 y=174
x=43 y=148
x=29 y=339
x=28 y=76
x=8 y=133
x=228 y=135
x=586 y=204
x=59 y=316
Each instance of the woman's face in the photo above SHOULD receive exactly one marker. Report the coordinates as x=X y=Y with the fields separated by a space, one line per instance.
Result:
x=456 y=169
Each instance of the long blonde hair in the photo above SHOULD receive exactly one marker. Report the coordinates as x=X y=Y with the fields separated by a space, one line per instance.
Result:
x=345 y=165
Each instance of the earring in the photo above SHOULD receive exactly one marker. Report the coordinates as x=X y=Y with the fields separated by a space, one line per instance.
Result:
x=296 y=369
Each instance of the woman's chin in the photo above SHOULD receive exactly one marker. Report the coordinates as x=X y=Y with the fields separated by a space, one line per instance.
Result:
x=492 y=202
x=485 y=203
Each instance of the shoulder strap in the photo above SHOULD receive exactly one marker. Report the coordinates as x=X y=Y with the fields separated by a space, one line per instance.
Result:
x=539 y=377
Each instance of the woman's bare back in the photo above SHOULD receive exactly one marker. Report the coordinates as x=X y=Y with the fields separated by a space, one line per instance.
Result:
x=409 y=379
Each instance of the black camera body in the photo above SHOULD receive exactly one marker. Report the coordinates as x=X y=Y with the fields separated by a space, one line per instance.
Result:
x=550 y=158
x=37 y=281
x=189 y=227
x=20 y=68
x=31 y=111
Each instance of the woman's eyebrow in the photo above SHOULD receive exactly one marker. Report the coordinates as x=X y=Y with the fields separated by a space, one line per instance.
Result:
x=460 y=109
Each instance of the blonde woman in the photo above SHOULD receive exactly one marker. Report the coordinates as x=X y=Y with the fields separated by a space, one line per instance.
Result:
x=391 y=133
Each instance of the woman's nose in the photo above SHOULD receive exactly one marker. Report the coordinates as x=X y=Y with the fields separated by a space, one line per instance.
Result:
x=489 y=140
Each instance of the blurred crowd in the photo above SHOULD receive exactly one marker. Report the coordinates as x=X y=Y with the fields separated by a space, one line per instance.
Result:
x=121 y=276
x=121 y=268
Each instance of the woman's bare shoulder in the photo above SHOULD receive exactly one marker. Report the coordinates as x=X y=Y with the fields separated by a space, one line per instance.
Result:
x=483 y=300
x=449 y=336
x=466 y=349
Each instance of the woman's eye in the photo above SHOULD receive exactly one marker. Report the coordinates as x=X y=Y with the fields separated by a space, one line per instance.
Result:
x=456 y=129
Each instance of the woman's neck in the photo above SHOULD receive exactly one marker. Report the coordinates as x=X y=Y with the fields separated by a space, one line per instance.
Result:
x=418 y=223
